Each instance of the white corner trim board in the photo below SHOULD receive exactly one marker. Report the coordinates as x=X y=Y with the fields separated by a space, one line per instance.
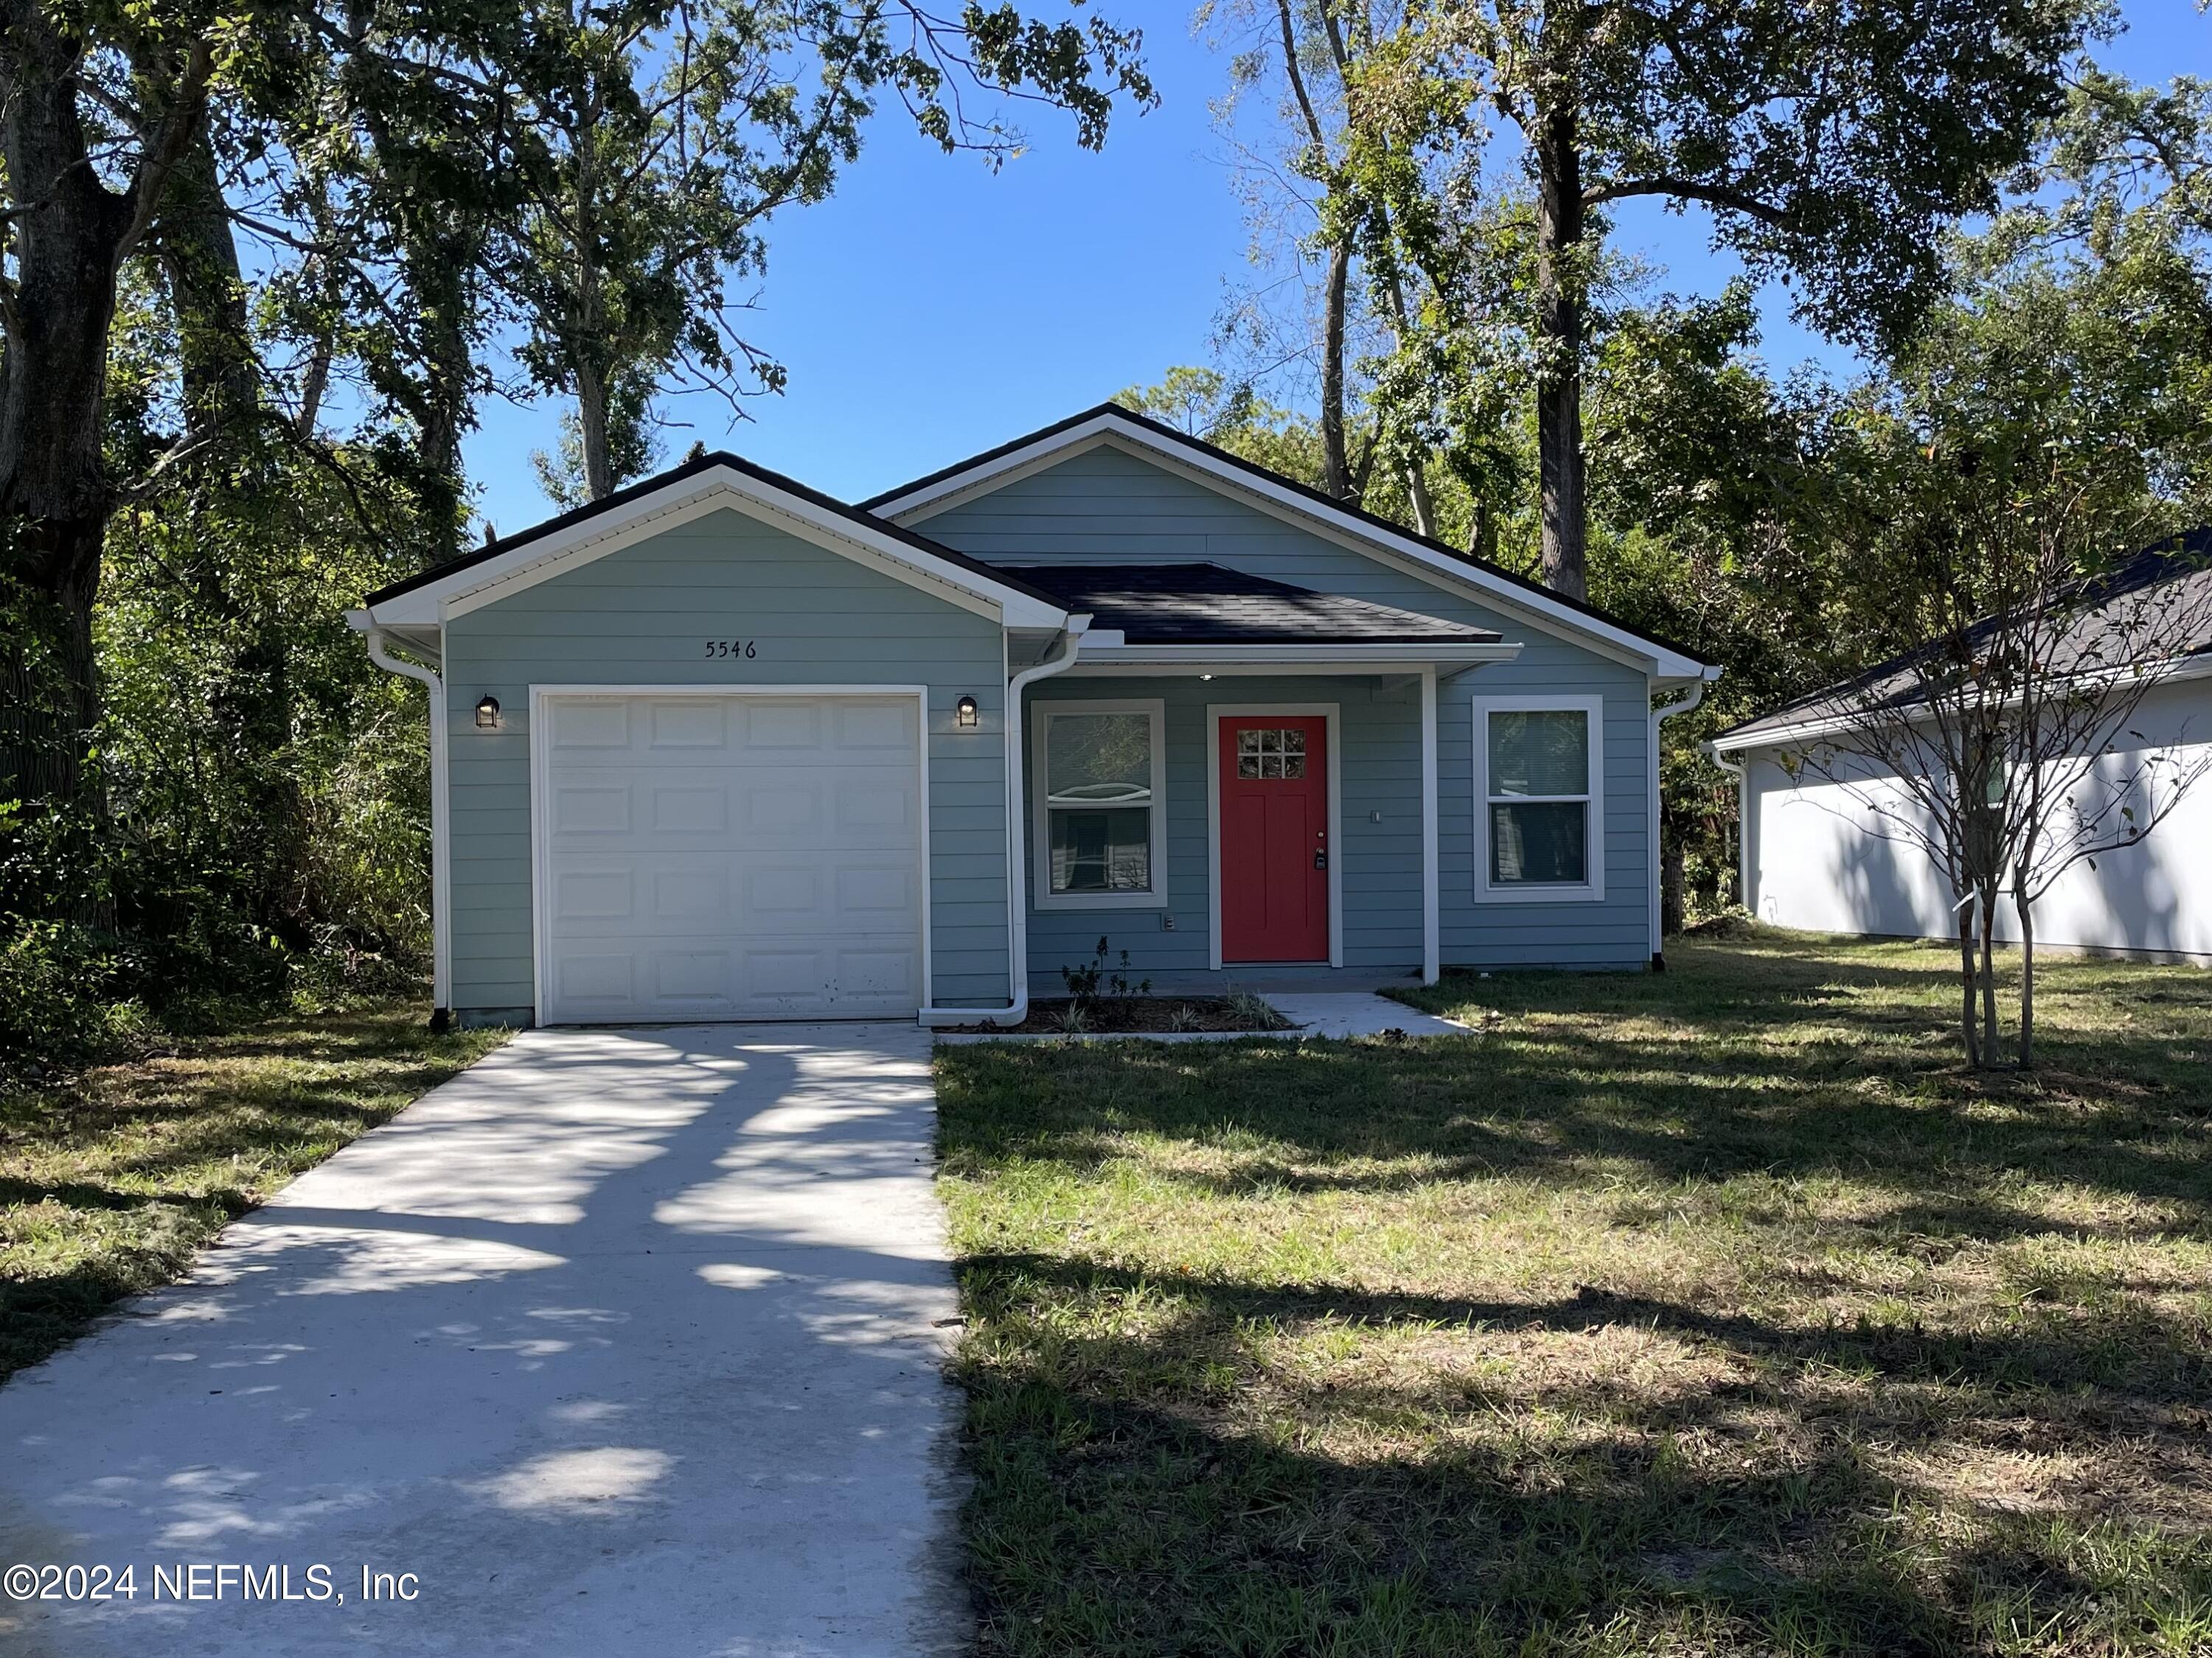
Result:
x=1018 y=932
x=1327 y=712
x=1431 y=870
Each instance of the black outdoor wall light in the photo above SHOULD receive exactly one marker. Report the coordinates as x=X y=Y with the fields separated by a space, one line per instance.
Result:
x=964 y=714
x=488 y=715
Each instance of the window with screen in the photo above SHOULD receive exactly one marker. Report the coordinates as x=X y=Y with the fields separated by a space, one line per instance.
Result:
x=1539 y=818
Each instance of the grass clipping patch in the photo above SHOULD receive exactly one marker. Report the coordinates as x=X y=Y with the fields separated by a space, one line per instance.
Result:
x=110 y=1182
x=1709 y=1313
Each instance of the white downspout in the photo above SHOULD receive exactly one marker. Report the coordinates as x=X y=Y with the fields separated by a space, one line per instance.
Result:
x=1742 y=776
x=441 y=868
x=1665 y=712
x=1017 y=890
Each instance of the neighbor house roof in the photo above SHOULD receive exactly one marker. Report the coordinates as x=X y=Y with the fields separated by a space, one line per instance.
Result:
x=914 y=500
x=1205 y=604
x=2175 y=576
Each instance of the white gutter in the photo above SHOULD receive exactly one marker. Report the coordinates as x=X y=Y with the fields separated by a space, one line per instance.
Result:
x=1017 y=886
x=1735 y=769
x=441 y=866
x=1665 y=712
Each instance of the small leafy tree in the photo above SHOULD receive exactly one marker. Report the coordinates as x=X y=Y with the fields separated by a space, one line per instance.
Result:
x=2006 y=748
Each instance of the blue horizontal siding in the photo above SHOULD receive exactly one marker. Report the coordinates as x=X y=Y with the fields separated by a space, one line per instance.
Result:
x=1107 y=506
x=640 y=615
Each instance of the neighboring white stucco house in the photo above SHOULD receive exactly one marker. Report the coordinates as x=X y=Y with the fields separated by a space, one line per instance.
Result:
x=1818 y=854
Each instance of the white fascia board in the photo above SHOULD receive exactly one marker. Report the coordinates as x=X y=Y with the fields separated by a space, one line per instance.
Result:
x=1281 y=501
x=540 y=560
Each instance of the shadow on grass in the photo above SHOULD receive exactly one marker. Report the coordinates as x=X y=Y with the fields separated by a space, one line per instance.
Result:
x=1683 y=1078
x=1171 y=1461
x=110 y=1182
x=1132 y=1498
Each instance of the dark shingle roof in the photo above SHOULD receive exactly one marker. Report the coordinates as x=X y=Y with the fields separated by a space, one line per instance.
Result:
x=1207 y=604
x=2113 y=608
x=1169 y=434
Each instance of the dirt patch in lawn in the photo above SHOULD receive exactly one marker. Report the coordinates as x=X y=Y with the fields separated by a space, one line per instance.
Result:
x=1108 y=1016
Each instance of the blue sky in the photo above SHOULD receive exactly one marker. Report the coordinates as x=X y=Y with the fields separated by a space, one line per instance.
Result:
x=931 y=309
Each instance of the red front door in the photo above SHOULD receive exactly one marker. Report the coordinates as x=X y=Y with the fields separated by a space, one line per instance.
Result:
x=1274 y=838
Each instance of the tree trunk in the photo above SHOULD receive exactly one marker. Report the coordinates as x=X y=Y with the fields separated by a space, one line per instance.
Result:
x=1336 y=466
x=1416 y=494
x=1559 y=327
x=2026 y=911
x=207 y=291
x=1989 y=909
x=54 y=495
x=1969 y=1032
x=1670 y=887
x=591 y=423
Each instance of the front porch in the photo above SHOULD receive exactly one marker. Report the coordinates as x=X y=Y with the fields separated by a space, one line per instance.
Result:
x=1266 y=831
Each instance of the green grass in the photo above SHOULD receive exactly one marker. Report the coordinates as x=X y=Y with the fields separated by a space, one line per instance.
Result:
x=1716 y=1312
x=109 y=1182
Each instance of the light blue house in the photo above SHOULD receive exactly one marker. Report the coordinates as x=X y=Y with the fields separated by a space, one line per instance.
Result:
x=720 y=747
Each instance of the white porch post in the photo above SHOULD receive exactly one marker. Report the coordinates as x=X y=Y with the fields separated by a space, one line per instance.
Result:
x=1431 y=949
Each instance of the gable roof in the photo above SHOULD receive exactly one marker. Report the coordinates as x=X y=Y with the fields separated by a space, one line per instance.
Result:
x=567 y=534
x=1108 y=421
x=1206 y=603
x=2178 y=569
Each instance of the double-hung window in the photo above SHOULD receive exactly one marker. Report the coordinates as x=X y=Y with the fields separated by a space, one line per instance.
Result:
x=1540 y=802
x=1099 y=771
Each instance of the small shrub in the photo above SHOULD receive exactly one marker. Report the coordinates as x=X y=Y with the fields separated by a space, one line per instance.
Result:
x=1072 y=1020
x=1097 y=977
x=1185 y=1017
x=1254 y=1014
x=61 y=1004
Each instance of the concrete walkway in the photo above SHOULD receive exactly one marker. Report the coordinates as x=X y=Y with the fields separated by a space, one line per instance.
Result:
x=621 y=1343
x=1357 y=1013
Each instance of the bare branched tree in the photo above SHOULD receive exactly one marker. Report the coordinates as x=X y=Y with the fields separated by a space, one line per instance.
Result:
x=2011 y=745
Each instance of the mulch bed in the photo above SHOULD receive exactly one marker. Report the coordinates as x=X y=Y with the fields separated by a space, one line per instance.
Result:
x=1134 y=1015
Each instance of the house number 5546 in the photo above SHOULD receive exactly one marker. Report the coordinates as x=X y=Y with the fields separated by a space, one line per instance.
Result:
x=730 y=647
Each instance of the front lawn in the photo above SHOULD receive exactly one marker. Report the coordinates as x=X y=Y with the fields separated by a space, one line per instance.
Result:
x=1708 y=1313
x=110 y=1182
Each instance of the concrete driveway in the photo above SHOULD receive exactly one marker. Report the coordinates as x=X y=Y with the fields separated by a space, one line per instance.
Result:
x=621 y=1342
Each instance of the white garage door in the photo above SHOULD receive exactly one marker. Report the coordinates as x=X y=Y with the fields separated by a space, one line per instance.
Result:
x=731 y=858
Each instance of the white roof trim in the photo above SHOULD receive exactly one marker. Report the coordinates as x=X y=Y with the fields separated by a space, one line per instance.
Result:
x=1347 y=529
x=680 y=501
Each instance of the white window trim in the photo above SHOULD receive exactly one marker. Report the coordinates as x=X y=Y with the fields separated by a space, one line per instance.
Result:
x=1041 y=895
x=1327 y=712
x=1487 y=892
